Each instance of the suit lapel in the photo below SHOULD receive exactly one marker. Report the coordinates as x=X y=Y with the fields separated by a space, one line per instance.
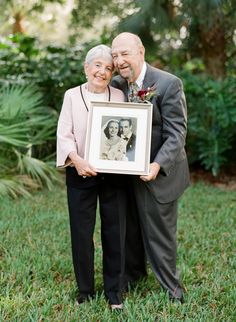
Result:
x=125 y=89
x=150 y=78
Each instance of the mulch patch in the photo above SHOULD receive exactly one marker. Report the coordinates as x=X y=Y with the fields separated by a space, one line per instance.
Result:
x=226 y=179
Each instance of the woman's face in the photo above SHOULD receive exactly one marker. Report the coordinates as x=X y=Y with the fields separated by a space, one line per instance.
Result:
x=99 y=73
x=113 y=129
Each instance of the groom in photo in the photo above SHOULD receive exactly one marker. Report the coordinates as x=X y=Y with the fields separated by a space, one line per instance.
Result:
x=156 y=194
x=128 y=136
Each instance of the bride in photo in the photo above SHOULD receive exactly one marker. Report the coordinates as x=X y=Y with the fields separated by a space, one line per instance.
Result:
x=113 y=146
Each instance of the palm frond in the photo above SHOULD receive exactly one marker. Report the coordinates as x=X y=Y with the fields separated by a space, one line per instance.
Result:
x=15 y=134
x=18 y=185
x=18 y=101
x=24 y=124
x=38 y=170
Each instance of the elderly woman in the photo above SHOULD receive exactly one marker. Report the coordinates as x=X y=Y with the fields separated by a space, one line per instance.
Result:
x=85 y=186
x=114 y=147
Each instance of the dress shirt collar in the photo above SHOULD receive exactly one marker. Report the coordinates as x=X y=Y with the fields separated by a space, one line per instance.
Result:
x=139 y=80
x=126 y=136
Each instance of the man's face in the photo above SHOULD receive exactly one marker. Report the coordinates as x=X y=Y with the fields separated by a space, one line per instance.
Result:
x=125 y=128
x=128 y=56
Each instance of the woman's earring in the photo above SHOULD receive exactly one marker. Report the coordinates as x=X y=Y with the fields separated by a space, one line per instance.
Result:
x=86 y=76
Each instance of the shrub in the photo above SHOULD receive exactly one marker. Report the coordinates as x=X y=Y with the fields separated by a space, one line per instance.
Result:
x=53 y=69
x=211 y=119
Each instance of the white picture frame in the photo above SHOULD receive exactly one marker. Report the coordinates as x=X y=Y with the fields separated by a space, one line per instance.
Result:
x=107 y=157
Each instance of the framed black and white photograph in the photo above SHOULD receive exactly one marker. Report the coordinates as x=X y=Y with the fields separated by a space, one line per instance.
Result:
x=119 y=137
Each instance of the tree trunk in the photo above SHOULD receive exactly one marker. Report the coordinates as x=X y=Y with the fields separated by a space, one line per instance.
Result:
x=213 y=49
x=18 y=24
x=146 y=36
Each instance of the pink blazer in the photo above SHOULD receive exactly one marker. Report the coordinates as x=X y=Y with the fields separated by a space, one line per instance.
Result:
x=72 y=123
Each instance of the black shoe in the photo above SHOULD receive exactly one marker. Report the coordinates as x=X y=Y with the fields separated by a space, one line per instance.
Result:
x=81 y=299
x=179 y=300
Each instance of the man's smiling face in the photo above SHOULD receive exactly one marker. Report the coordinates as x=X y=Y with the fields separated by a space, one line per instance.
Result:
x=128 y=56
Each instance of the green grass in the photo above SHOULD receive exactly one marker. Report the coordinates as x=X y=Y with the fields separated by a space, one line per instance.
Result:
x=37 y=281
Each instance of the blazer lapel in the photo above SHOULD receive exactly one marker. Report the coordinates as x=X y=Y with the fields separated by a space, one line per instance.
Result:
x=125 y=89
x=150 y=78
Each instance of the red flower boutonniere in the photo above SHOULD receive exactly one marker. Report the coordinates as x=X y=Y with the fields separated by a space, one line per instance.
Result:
x=143 y=95
x=146 y=94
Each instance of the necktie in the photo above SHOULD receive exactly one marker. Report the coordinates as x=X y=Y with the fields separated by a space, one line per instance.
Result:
x=133 y=90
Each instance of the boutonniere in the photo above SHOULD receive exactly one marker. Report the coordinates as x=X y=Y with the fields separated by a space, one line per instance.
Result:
x=143 y=95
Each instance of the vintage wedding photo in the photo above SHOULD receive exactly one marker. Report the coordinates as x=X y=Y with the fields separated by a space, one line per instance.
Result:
x=118 y=138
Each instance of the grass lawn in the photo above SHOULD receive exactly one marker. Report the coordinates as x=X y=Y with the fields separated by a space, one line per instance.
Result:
x=37 y=281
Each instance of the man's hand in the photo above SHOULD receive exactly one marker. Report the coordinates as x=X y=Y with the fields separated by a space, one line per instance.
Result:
x=153 y=172
x=82 y=166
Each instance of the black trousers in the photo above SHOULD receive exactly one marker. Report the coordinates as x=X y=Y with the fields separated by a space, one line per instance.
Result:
x=83 y=195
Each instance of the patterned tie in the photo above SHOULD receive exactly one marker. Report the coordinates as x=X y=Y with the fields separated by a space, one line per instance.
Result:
x=133 y=90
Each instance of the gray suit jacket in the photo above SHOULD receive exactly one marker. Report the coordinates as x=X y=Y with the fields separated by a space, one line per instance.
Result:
x=169 y=128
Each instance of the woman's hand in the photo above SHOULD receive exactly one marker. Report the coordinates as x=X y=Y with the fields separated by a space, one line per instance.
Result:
x=82 y=166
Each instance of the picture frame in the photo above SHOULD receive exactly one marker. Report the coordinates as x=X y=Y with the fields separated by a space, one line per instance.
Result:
x=107 y=148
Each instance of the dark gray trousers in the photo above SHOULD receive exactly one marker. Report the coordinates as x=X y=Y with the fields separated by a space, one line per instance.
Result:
x=158 y=225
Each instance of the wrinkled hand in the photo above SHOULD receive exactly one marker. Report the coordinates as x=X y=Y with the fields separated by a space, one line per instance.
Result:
x=84 y=169
x=82 y=166
x=153 y=172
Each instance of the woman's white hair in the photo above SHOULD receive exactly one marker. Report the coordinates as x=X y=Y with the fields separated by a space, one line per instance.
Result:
x=98 y=52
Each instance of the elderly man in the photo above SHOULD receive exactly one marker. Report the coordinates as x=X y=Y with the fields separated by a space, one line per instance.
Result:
x=157 y=193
